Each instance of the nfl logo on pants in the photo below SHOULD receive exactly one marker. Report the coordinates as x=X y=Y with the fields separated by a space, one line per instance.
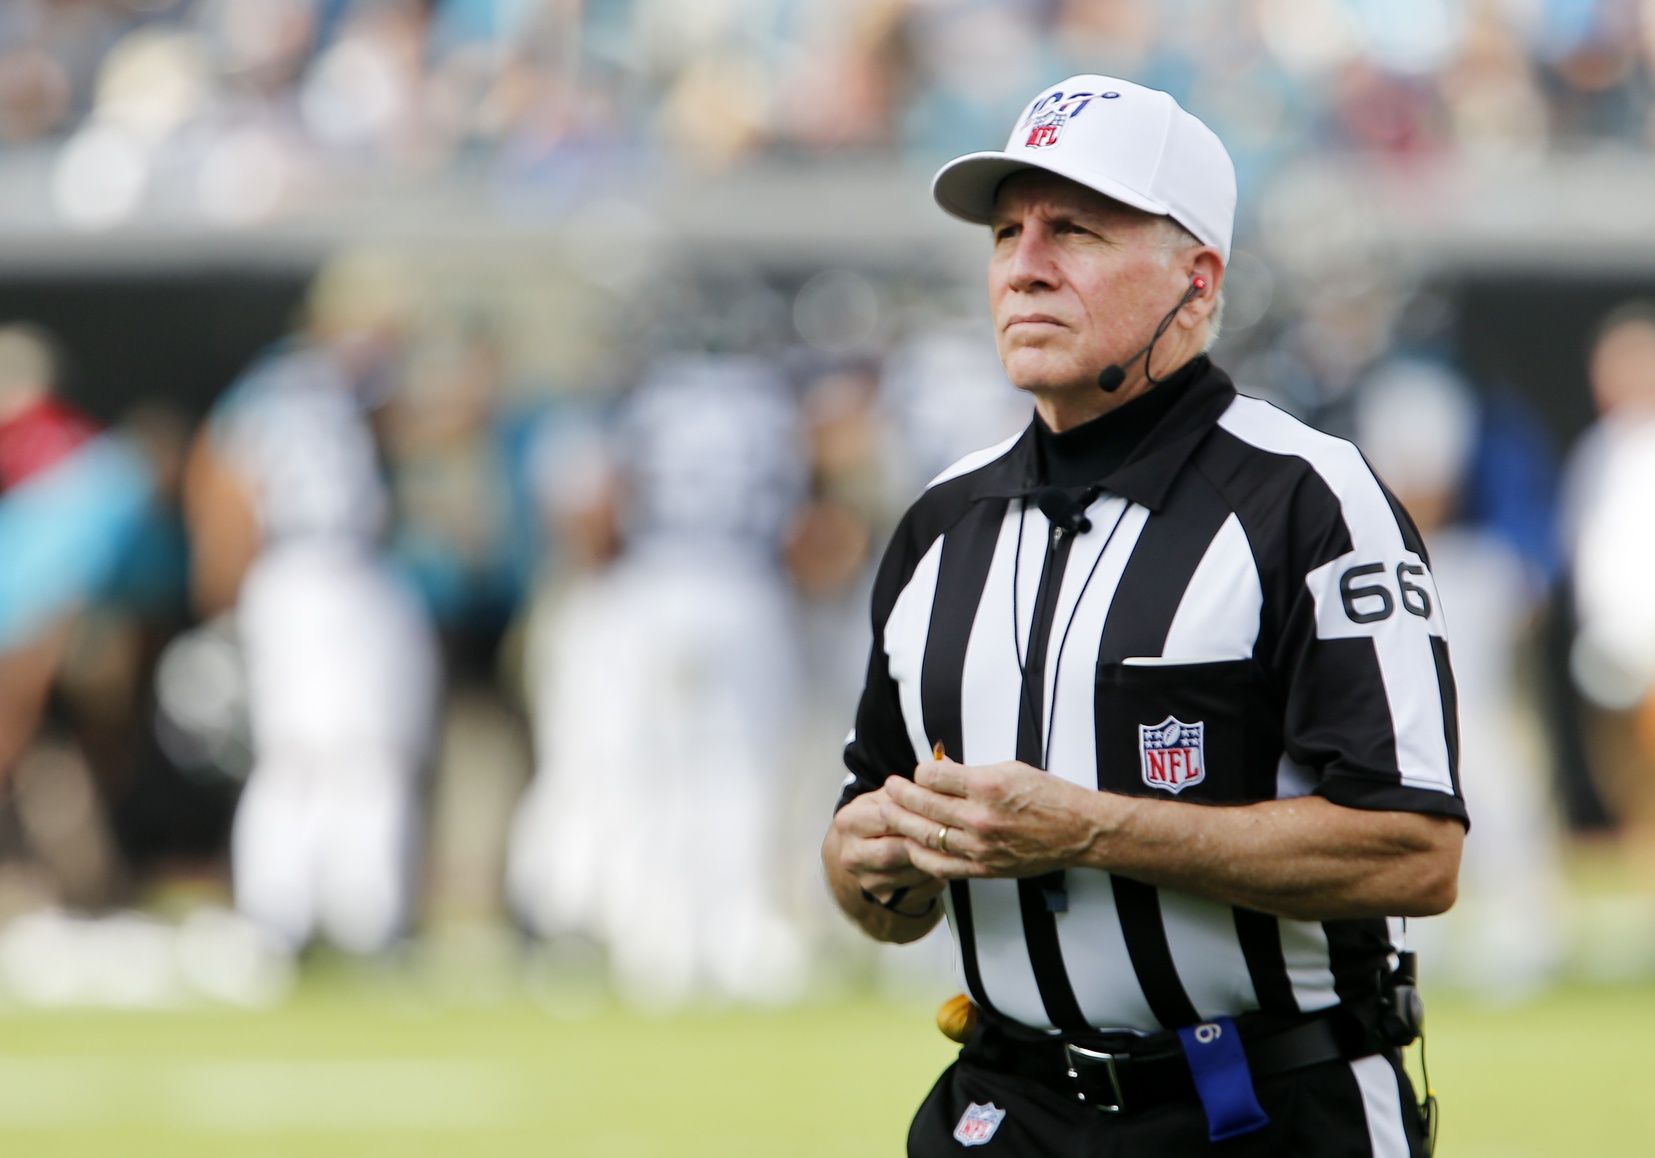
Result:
x=1172 y=754
x=977 y=1124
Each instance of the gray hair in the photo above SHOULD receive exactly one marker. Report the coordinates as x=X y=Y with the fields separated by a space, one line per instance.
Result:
x=1175 y=239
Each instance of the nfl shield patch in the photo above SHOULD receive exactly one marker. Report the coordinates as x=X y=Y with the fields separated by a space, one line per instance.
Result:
x=1046 y=129
x=1172 y=753
x=977 y=1124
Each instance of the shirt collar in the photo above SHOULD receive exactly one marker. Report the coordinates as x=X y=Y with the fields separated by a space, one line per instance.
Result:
x=1145 y=472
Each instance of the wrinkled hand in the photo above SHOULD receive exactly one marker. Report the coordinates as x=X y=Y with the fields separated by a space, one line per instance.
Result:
x=1003 y=820
x=877 y=855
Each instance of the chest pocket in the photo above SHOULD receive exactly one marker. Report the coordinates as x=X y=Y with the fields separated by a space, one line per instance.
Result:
x=1202 y=731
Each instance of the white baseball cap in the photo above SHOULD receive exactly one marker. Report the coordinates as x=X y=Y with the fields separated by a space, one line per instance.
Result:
x=1128 y=142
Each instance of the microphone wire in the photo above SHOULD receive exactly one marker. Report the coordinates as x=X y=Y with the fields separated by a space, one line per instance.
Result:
x=1118 y=377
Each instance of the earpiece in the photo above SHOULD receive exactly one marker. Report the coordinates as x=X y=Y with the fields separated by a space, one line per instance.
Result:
x=1198 y=284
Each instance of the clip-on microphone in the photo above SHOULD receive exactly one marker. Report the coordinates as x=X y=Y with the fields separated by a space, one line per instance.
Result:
x=1064 y=510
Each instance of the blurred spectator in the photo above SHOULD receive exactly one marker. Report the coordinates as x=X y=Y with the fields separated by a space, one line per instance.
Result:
x=1494 y=101
x=360 y=97
x=287 y=508
x=1610 y=487
x=249 y=107
x=1589 y=50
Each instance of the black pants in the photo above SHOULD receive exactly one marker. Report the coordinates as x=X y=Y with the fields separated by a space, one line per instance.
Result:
x=1356 y=1109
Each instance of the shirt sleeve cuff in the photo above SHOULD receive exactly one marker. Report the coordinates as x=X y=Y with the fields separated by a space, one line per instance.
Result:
x=1389 y=796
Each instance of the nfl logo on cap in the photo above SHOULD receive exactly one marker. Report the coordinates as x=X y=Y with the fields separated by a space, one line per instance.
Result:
x=1172 y=754
x=978 y=1123
x=1045 y=130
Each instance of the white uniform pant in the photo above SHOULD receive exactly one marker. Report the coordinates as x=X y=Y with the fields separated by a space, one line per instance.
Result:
x=663 y=727
x=342 y=682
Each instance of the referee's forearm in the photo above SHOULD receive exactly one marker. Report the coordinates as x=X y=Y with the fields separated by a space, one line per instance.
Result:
x=1305 y=859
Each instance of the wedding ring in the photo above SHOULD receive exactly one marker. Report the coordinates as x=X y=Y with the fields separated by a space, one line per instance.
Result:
x=942 y=839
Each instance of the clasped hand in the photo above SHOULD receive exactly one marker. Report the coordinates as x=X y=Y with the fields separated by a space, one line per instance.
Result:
x=1002 y=820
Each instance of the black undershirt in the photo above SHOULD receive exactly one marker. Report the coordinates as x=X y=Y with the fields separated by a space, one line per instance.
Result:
x=1087 y=453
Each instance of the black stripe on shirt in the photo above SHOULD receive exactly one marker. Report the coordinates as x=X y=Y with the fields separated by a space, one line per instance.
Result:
x=1450 y=706
x=1057 y=992
x=962 y=572
x=1168 y=550
x=1356 y=951
x=1260 y=937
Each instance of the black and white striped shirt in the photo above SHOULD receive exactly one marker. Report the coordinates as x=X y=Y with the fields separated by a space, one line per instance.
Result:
x=1250 y=616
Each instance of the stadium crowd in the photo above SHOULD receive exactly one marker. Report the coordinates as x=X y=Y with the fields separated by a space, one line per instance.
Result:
x=239 y=110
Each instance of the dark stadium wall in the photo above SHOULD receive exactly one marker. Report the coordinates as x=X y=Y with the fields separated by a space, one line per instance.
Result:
x=1531 y=332
x=174 y=335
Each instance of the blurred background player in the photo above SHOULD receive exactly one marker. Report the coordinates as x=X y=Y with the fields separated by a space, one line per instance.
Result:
x=666 y=709
x=287 y=508
x=1608 y=518
x=75 y=504
x=72 y=500
x=1418 y=424
x=457 y=431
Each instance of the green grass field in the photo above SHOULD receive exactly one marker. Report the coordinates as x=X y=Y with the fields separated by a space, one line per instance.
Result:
x=348 y=1068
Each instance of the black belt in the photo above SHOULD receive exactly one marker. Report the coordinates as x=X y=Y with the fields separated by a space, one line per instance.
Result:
x=1121 y=1073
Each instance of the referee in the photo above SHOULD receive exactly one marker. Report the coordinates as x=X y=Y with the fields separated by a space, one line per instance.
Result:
x=1184 y=664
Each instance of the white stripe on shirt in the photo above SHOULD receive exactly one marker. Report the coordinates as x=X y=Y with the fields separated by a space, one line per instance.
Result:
x=1401 y=639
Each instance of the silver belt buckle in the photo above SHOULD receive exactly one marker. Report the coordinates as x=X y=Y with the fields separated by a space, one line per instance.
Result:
x=1108 y=1060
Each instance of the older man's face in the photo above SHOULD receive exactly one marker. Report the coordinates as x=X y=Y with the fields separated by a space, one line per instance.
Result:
x=1076 y=282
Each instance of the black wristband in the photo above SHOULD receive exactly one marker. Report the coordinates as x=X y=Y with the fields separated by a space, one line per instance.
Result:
x=895 y=899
